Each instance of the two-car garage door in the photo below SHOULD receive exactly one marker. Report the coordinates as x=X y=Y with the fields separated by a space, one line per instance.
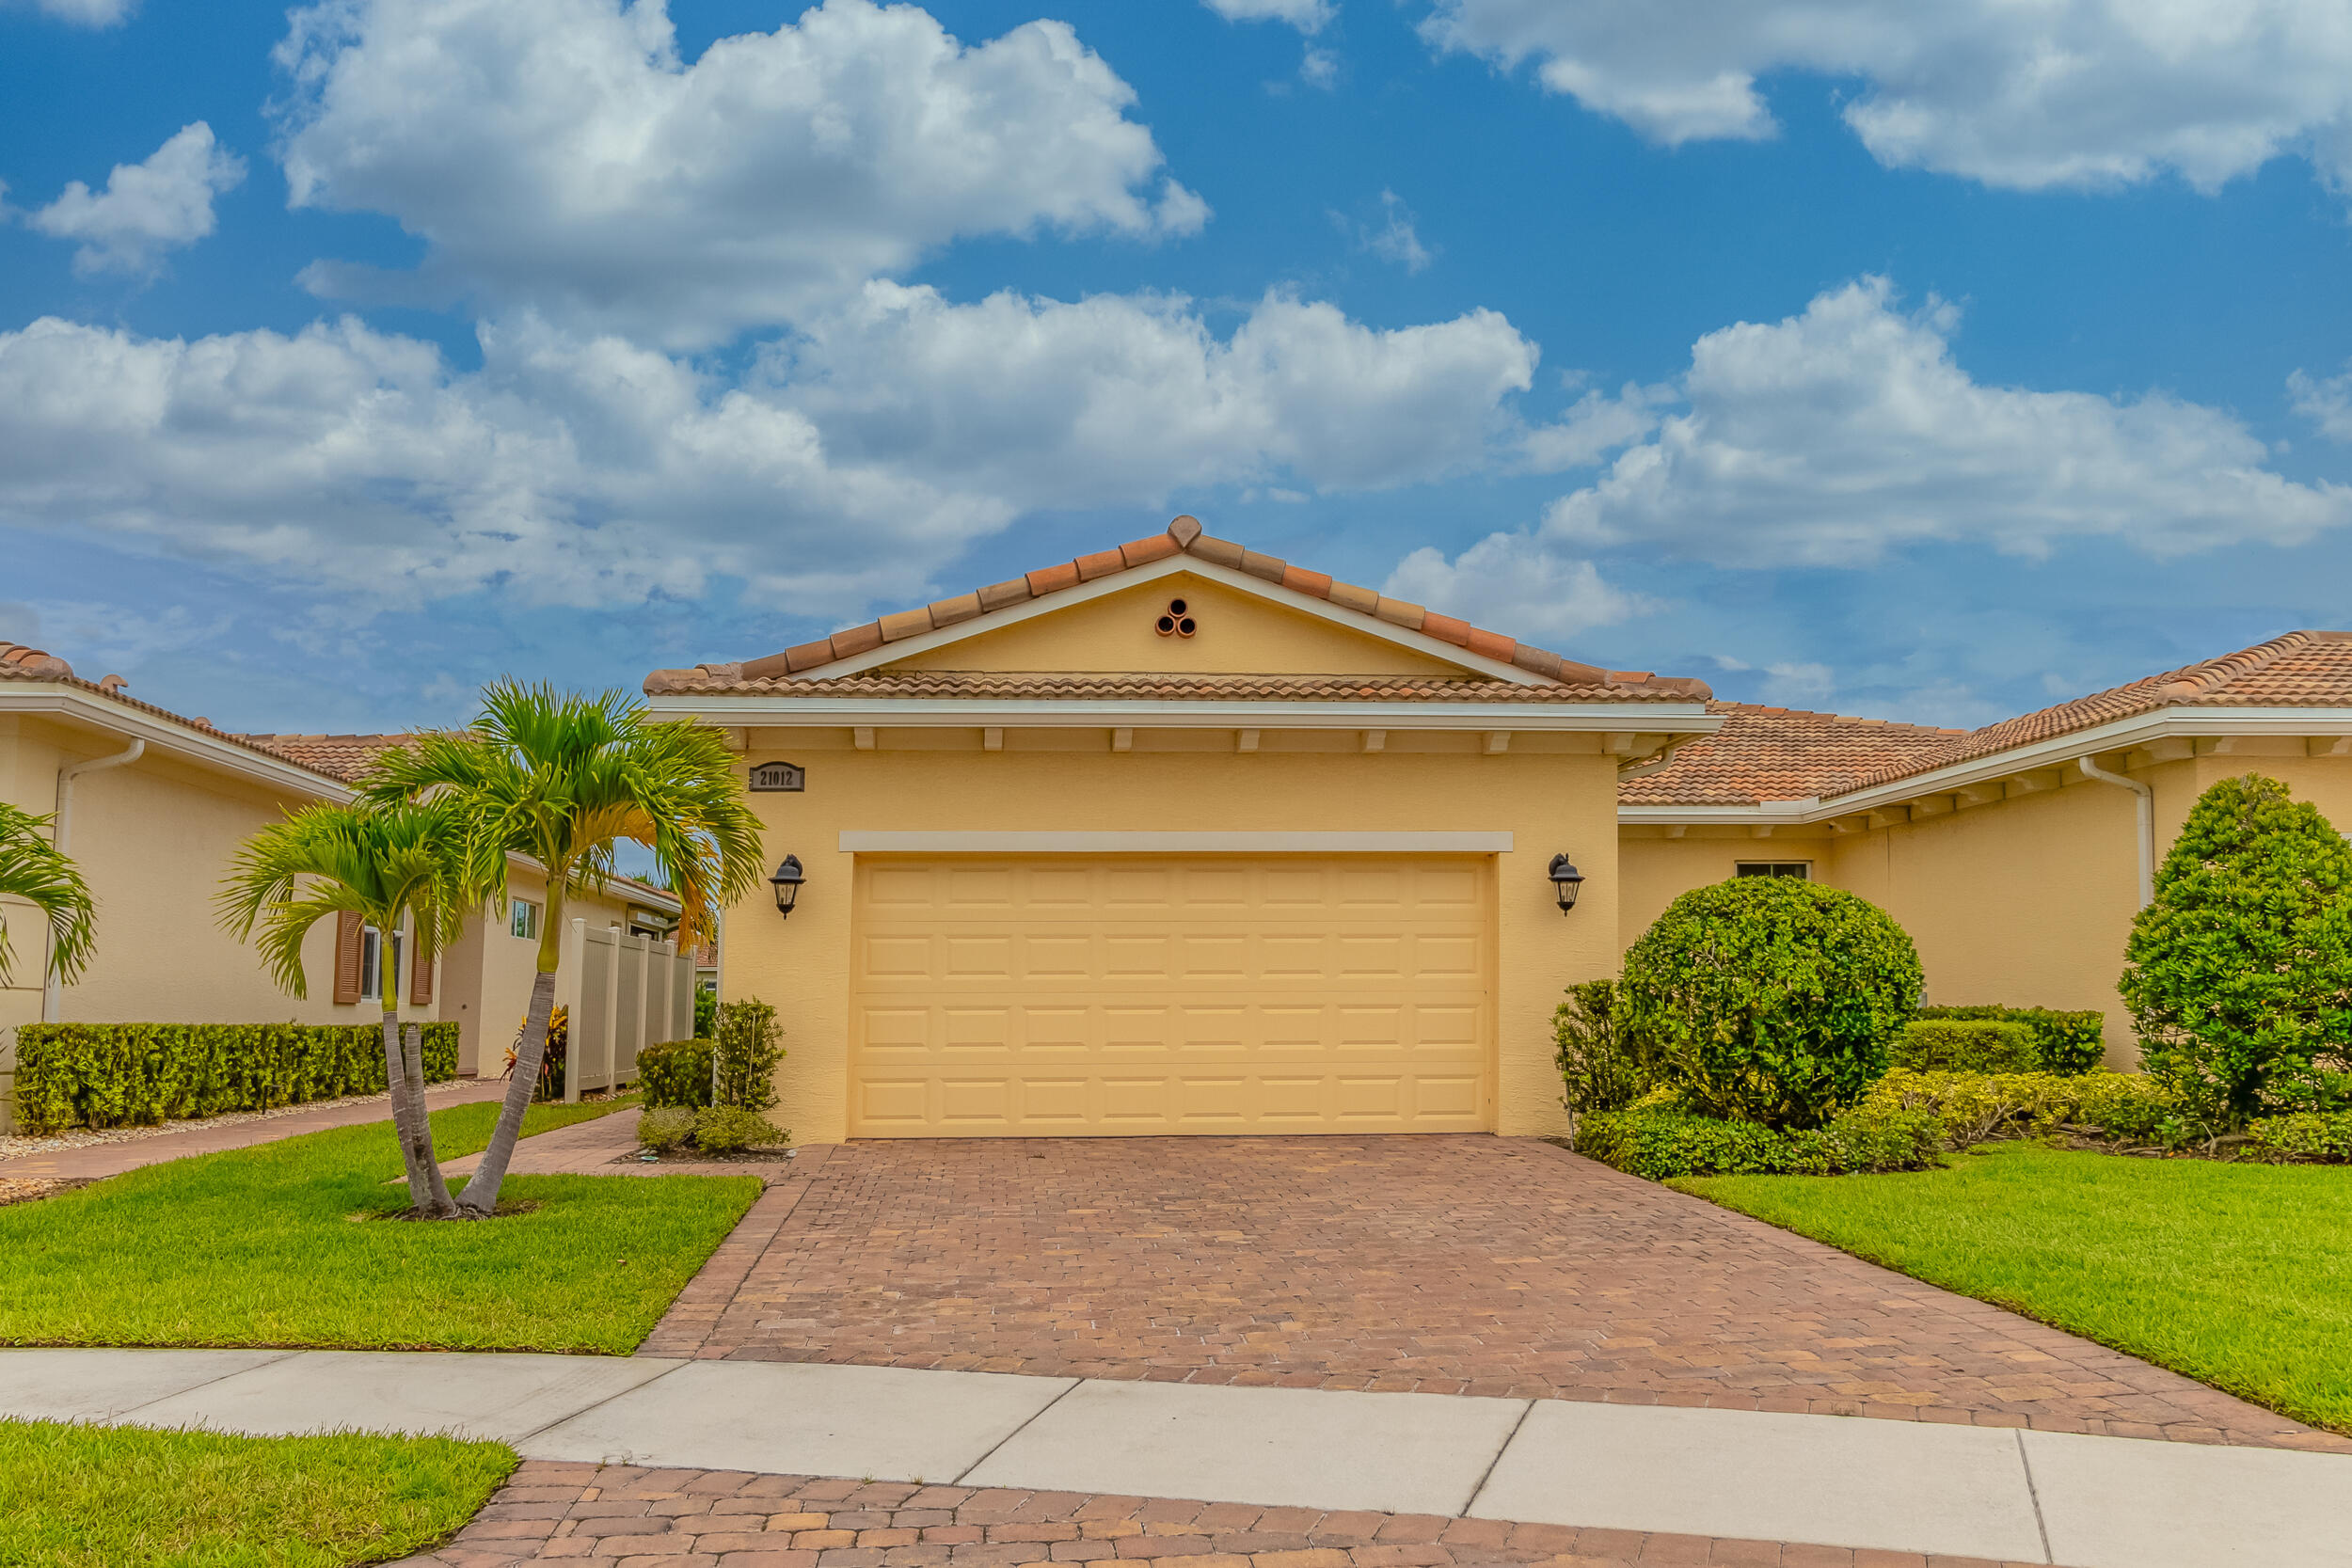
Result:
x=1149 y=994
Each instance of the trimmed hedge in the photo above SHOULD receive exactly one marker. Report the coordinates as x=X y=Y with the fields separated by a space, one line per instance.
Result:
x=1975 y=1107
x=1660 y=1144
x=1964 y=1045
x=137 y=1074
x=2064 y=1042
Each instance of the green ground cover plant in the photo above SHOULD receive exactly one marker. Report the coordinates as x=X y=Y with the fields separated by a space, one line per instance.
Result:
x=86 y=1496
x=2238 y=1274
x=1659 y=1142
x=295 y=1242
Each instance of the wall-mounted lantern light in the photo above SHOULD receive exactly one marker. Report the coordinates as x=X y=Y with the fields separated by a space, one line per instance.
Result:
x=1567 y=881
x=787 y=881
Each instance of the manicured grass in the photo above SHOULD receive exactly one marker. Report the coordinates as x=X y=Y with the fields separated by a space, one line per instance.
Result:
x=2237 y=1275
x=275 y=1245
x=80 y=1496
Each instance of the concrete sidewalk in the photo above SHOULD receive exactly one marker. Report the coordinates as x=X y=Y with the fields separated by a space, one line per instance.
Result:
x=95 y=1162
x=1971 y=1491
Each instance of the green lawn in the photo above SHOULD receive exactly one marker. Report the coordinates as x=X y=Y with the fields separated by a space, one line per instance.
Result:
x=273 y=1245
x=79 y=1496
x=2238 y=1274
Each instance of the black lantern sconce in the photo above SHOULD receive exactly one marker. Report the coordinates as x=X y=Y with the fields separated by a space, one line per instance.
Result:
x=787 y=881
x=1567 y=881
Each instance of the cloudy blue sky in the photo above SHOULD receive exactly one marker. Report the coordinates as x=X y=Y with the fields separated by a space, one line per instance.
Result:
x=1928 y=362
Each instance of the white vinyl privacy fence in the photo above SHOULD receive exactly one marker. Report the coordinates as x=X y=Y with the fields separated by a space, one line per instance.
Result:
x=624 y=992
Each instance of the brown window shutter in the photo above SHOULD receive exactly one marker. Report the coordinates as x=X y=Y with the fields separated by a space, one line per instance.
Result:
x=421 y=976
x=349 y=928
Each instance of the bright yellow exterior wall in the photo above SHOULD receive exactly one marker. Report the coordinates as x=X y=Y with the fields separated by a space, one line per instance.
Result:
x=1560 y=797
x=1239 y=634
x=1657 y=870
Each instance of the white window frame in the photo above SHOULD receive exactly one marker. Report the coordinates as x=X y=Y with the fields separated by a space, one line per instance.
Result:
x=522 y=912
x=1773 y=869
x=371 y=964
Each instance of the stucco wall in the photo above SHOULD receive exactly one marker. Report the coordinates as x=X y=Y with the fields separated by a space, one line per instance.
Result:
x=1657 y=870
x=487 y=974
x=153 y=840
x=1559 y=796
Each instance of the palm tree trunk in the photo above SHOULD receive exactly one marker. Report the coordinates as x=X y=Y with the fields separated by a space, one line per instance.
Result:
x=482 y=1192
x=427 y=1193
x=412 y=1057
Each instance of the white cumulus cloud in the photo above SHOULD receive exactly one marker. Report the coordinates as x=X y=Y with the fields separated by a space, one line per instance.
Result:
x=1834 y=437
x=1308 y=16
x=2327 y=402
x=559 y=156
x=589 y=469
x=2045 y=93
x=1514 y=580
x=146 y=208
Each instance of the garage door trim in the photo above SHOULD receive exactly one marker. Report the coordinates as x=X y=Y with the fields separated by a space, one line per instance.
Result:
x=1175 y=843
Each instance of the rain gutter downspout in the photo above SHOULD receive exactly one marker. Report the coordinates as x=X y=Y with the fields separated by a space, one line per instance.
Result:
x=62 y=835
x=2147 y=825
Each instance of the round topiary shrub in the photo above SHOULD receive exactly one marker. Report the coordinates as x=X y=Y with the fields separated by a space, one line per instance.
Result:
x=1770 y=999
x=2239 y=975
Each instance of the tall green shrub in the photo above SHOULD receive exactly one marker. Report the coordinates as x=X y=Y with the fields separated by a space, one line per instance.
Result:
x=750 y=1045
x=1600 y=1066
x=137 y=1074
x=1771 y=999
x=2239 y=973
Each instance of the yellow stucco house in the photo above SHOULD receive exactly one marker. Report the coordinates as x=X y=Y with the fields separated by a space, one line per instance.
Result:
x=152 y=804
x=2015 y=855
x=1177 y=838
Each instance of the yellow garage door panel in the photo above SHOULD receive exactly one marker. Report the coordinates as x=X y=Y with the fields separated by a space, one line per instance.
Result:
x=1161 y=995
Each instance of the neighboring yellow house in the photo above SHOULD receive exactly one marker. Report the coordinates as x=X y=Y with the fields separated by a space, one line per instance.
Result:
x=1176 y=838
x=152 y=805
x=2015 y=855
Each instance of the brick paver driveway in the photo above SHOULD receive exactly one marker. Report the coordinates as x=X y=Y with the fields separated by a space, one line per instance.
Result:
x=1448 y=1264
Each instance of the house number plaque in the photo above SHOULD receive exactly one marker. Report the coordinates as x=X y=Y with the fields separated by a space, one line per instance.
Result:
x=779 y=775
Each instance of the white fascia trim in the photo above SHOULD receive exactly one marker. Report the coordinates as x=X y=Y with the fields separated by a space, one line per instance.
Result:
x=763 y=710
x=2121 y=734
x=162 y=734
x=1338 y=615
x=871 y=843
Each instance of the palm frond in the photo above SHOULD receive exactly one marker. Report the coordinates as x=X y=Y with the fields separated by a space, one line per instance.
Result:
x=33 y=869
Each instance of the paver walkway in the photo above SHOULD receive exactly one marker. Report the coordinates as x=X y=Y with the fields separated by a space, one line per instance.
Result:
x=625 y=1516
x=94 y=1161
x=1456 y=1264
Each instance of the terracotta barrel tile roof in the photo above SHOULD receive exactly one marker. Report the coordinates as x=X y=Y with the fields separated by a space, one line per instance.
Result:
x=1776 y=754
x=2302 y=668
x=1183 y=536
x=979 y=685
x=338 y=757
x=1766 y=753
x=31 y=664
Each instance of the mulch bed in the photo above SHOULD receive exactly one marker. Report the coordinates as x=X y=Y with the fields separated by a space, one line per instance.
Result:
x=31 y=1189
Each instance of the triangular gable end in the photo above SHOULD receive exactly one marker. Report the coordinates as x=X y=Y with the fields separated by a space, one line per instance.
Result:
x=1229 y=624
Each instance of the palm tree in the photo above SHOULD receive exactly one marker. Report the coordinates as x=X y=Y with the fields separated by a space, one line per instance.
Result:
x=35 y=870
x=561 y=779
x=381 y=864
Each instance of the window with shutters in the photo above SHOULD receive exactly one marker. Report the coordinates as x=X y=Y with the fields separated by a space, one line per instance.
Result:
x=522 y=920
x=1802 y=870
